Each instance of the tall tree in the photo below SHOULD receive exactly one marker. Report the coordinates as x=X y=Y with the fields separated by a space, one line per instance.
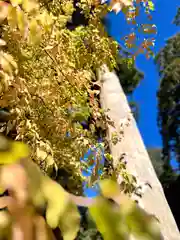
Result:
x=168 y=61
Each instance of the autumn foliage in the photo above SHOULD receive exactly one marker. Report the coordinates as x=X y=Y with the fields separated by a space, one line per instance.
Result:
x=46 y=90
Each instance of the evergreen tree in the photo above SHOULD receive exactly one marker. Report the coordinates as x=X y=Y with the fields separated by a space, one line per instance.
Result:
x=168 y=61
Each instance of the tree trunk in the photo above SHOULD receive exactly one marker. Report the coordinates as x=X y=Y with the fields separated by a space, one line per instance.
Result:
x=138 y=161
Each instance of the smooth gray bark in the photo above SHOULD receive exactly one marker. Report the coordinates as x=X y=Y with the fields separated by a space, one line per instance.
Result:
x=139 y=163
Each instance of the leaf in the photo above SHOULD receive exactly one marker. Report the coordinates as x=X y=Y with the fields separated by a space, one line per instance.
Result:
x=151 y=5
x=70 y=222
x=12 y=17
x=109 y=222
x=5 y=65
x=7 y=62
x=46 y=20
x=57 y=201
x=21 y=22
x=34 y=32
x=14 y=152
x=29 y=6
x=142 y=224
x=109 y=188
x=138 y=221
x=11 y=60
x=2 y=42
x=4 y=81
x=61 y=212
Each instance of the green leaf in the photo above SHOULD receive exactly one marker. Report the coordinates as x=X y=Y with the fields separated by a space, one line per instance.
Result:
x=138 y=221
x=151 y=5
x=16 y=151
x=108 y=221
x=70 y=222
x=142 y=224
x=57 y=201
x=109 y=188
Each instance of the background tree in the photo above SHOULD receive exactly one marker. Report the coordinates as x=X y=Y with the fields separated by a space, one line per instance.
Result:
x=168 y=61
x=155 y=155
x=177 y=18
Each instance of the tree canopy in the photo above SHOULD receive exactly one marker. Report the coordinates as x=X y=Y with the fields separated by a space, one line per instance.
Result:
x=47 y=79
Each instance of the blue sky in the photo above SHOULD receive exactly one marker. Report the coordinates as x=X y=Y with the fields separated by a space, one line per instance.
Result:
x=145 y=94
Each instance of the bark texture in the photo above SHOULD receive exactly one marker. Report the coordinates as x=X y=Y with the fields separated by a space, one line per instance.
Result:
x=138 y=161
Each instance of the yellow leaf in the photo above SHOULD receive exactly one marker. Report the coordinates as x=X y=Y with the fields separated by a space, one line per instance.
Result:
x=21 y=22
x=2 y=42
x=57 y=201
x=14 y=152
x=12 y=17
x=108 y=221
x=10 y=59
x=34 y=32
x=5 y=65
x=109 y=188
x=30 y=6
x=151 y=5
x=70 y=222
x=4 y=77
x=142 y=224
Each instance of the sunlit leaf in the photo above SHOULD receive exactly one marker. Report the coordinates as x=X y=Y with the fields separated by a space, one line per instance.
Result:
x=30 y=6
x=142 y=224
x=21 y=21
x=109 y=188
x=70 y=222
x=4 y=83
x=5 y=65
x=151 y=5
x=2 y=42
x=34 y=32
x=57 y=203
x=11 y=60
x=16 y=151
x=108 y=221
x=12 y=17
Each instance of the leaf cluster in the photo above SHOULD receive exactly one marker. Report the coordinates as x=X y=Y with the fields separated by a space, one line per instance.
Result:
x=119 y=218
